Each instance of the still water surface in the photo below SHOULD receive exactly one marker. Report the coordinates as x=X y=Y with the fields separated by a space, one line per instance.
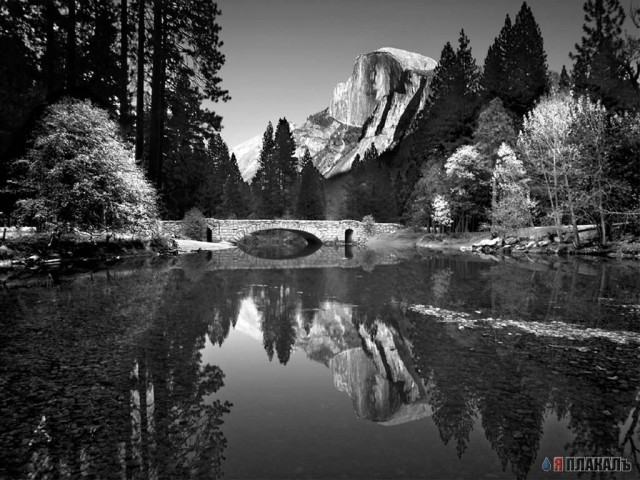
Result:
x=223 y=364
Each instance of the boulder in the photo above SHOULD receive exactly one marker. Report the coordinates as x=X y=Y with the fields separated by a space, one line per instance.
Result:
x=489 y=242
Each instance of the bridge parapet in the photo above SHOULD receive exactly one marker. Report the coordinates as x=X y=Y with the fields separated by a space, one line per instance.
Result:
x=326 y=231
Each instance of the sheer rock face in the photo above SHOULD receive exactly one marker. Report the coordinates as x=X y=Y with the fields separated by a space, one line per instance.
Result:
x=376 y=104
x=377 y=379
x=376 y=76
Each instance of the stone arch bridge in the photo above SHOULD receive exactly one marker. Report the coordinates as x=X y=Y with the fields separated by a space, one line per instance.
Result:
x=324 y=231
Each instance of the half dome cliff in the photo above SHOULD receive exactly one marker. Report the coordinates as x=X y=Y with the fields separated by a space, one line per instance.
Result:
x=376 y=104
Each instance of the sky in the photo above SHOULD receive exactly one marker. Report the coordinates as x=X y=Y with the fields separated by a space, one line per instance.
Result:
x=284 y=57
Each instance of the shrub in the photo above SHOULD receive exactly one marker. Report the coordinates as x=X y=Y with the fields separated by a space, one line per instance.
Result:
x=369 y=224
x=78 y=173
x=194 y=225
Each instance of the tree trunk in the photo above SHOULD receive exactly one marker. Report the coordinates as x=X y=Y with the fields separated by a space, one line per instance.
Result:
x=71 y=46
x=603 y=222
x=124 y=63
x=157 y=81
x=140 y=86
x=553 y=200
x=574 y=224
x=49 y=56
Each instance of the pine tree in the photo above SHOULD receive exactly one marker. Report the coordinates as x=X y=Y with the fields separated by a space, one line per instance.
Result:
x=100 y=63
x=526 y=64
x=217 y=173
x=275 y=180
x=187 y=164
x=265 y=180
x=370 y=191
x=516 y=64
x=311 y=198
x=448 y=119
x=287 y=166
x=564 y=84
x=235 y=199
x=185 y=39
x=602 y=69
x=494 y=75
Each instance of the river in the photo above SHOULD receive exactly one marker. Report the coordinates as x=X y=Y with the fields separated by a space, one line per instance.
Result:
x=339 y=364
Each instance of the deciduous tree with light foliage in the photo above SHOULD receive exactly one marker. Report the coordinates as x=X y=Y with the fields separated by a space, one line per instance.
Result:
x=441 y=213
x=513 y=207
x=77 y=173
x=467 y=172
x=545 y=141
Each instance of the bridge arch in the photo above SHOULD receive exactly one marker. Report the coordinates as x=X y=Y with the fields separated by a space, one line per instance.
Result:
x=308 y=231
x=312 y=238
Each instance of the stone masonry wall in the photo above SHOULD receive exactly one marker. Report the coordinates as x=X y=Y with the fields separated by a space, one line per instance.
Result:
x=324 y=230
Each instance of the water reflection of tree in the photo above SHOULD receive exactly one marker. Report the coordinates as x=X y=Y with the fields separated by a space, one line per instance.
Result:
x=591 y=294
x=507 y=382
x=104 y=379
x=511 y=381
x=281 y=297
x=183 y=431
x=277 y=302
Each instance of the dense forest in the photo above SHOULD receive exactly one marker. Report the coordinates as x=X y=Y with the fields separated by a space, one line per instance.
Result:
x=148 y=64
x=499 y=146
x=513 y=145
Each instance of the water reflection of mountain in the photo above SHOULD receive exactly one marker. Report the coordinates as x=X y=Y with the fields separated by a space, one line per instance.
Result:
x=398 y=365
x=102 y=373
x=373 y=367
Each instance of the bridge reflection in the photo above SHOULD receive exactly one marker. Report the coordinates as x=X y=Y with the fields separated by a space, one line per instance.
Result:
x=281 y=252
x=312 y=256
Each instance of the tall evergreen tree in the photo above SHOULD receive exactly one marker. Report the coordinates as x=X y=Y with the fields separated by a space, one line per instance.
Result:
x=140 y=68
x=188 y=166
x=123 y=80
x=235 y=196
x=564 y=84
x=515 y=68
x=494 y=74
x=311 y=198
x=218 y=172
x=449 y=117
x=185 y=41
x=265 y=179
x=602 y=67
x=287 y=166
x=526 y=64
x=50 y=48
x=370 y=190
x=81 y=48
x=277 y=174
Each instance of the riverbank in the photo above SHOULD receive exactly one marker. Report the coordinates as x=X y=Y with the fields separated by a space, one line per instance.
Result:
x=32 y=250
x=535 y=240
x=409 y=238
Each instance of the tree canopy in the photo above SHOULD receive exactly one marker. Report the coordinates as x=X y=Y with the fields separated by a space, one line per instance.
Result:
x=78 y=173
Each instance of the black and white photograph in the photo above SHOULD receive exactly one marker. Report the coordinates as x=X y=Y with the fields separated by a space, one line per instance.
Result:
x=319 y=239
